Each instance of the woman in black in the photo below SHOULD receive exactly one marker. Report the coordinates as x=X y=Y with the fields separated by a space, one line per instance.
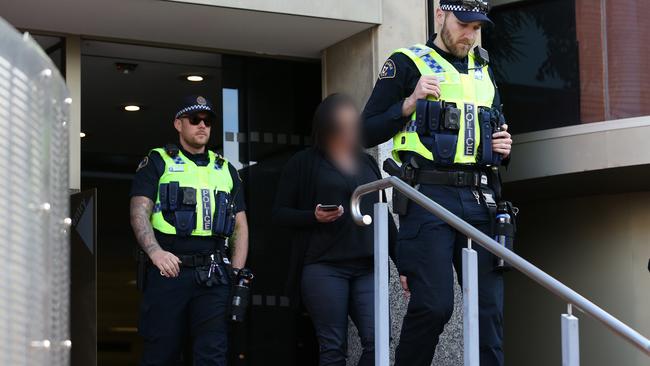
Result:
x=332 y=256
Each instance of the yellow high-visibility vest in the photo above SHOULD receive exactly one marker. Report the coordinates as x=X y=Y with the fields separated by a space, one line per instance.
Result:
x=206 y=180
x=468 y=91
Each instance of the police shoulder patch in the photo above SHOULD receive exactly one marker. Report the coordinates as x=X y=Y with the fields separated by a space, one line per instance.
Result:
x=388 y=71
x=143 y=163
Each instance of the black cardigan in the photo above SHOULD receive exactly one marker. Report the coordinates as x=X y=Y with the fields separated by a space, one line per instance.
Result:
x=298 y=182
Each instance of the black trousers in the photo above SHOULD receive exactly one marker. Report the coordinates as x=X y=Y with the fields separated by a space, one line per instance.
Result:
x=174 y=310
x=332 y=292
x=427 y=248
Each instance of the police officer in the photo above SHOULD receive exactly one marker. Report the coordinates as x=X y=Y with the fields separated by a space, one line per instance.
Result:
x=186 y=202
x=439 y=103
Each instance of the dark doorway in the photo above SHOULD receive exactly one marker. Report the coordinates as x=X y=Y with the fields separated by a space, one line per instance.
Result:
x=266 y=106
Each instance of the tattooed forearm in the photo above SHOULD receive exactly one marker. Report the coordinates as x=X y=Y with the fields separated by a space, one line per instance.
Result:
x=141 y=208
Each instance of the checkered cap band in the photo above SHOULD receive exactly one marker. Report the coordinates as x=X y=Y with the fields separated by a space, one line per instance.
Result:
x=194 y=108
x=450 y=7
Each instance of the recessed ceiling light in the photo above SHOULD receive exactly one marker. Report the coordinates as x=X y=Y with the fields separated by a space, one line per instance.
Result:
x=132 y=108
x=82 y=134
x=194 y=78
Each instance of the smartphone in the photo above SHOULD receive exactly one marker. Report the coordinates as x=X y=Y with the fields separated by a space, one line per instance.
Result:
x=329 y=207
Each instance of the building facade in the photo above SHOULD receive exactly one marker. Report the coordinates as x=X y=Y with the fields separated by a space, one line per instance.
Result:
x=572 y=75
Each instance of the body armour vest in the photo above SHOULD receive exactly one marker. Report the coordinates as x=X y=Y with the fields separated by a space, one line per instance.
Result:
x=456 y=128
x=194 y=200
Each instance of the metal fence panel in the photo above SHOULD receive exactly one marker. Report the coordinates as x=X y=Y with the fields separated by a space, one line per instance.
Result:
x=34 y=204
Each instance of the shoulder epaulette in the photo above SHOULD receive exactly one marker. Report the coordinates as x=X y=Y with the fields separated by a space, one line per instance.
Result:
x=172 y=150
x=420 y=50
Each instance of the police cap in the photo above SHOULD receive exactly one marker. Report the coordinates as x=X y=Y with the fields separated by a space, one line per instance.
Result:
x=468 y=11
x=193 y=104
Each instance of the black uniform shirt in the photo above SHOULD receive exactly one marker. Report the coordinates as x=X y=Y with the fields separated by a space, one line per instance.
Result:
x=382 y=116
x=145 y=183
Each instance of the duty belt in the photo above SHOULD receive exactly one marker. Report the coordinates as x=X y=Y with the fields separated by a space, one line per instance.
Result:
x=200 y=260
x=451 y=178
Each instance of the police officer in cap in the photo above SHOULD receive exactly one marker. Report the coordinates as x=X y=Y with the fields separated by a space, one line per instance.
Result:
x=439 y=103
x=186 y=204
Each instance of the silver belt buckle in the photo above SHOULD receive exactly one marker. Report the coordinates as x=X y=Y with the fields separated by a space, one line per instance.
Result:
x=484 y=180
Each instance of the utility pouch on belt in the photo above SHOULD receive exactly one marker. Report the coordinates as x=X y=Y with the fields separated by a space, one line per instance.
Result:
x=406 y=173
x=216 y=273
x=224 y=220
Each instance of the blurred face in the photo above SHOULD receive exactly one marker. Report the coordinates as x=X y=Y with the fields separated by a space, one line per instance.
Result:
x=458 y=37
x=347 y=126
x=194 y=129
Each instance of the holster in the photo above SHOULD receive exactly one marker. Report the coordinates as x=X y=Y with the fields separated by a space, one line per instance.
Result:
x=141 y=275
x=407 y=173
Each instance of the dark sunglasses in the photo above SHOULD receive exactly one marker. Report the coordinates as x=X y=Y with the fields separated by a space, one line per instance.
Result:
x=195 y=119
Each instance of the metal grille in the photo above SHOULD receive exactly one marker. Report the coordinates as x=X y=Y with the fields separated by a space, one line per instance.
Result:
x=34 y=204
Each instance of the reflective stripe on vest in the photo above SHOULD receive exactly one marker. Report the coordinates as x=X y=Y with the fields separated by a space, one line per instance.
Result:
x=468 y=91
x=205 y=179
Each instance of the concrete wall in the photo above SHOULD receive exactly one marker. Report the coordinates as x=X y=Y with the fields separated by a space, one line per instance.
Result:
x=367 y=11
x=351 y=67
x=580 y=148
x=599 y=246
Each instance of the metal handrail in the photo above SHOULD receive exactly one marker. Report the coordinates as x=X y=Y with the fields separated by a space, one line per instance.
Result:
x=531 y=271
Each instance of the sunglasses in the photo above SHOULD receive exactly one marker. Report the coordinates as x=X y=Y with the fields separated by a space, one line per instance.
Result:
x=196 y=119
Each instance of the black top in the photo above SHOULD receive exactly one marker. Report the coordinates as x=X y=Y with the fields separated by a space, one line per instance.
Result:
x=145 y=183
x=341 y=240
x=299 y=191
x=382 y=116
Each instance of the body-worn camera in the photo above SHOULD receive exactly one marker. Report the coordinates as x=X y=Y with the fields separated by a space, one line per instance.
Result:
x=451 y=117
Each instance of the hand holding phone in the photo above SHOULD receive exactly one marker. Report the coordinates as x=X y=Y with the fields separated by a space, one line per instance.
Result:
x=328 y=213
x=329 y=207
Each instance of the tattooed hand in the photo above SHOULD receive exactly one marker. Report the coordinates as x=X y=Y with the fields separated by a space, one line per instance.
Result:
x=141 y=209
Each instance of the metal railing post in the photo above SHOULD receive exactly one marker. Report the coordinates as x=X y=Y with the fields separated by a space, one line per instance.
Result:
x=570 y=339
x=382 y=328
x=470 y=306
x=526 y=268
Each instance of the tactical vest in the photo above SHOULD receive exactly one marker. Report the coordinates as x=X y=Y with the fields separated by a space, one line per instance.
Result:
x=472 y=94
x=194 y=200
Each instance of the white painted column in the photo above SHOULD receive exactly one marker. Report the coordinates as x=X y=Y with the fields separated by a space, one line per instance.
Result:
x=73 y=81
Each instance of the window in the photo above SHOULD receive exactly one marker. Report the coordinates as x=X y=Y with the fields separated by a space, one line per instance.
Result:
x=534 y=55
x=54 y=47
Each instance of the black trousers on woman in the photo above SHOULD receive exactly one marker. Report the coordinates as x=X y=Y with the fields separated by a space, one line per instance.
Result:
x=330 y=293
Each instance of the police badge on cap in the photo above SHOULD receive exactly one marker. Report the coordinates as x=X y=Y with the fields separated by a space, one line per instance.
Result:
x=193 y=104
x=468 y=11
